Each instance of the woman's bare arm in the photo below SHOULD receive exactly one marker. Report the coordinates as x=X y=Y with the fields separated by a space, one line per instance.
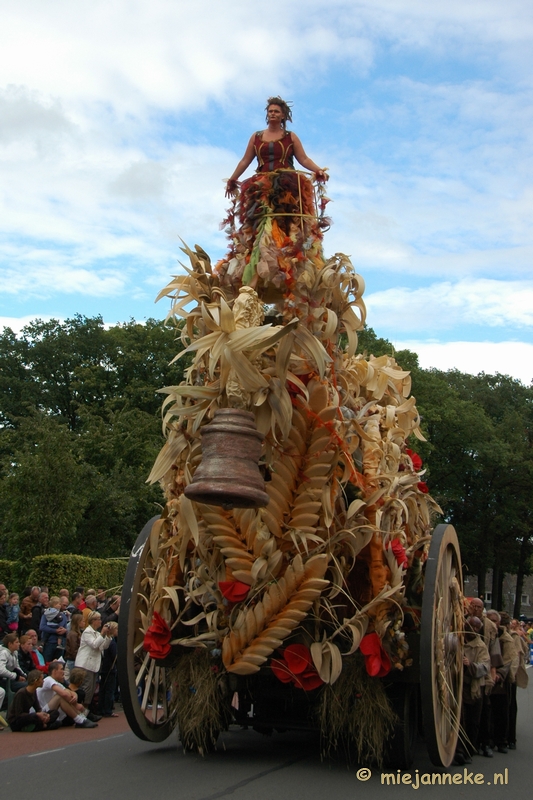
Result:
x=304 y=160
x=245 y=161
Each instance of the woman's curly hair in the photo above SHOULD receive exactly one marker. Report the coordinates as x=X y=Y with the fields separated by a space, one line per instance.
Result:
x=285 y=107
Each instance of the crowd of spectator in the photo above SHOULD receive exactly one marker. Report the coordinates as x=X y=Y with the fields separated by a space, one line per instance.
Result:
x=58 y=658
x=496 y=652
x=58 y=666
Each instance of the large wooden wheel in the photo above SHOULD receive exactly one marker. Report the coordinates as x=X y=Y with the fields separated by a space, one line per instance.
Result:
x=146 y=688
x=441 y=646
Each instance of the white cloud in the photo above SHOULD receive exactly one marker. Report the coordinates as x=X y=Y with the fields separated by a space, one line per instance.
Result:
x=442 y=183
x=23 y=114
x=87 y=181
x=166 y=54
x=507 y=358
x=169 y=54
x=45 y=281
x=18 y=323
x=141 y=180
x=75 y=200
x=443 y=306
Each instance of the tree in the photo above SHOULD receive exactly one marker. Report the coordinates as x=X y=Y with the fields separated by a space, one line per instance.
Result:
x=487 y=495
x=80 y=429
x=42 y=492
x=61 y=368
x=93 y=392
x=479 y=461
x=119 y=451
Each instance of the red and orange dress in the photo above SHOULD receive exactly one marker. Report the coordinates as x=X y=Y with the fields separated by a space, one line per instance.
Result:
x=273 y=221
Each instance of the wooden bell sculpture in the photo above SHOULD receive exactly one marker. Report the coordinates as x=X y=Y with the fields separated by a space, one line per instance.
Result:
x=229 y=474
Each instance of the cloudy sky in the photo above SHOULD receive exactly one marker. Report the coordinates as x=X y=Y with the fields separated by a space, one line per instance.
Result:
x=119 y=121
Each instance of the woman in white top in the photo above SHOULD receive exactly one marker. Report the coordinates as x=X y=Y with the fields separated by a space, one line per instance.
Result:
x=89 y=657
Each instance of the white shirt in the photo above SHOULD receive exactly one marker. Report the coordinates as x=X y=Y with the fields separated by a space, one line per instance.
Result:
x=46 y=692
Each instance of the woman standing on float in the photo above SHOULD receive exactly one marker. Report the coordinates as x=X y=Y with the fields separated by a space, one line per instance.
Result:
x=274 y=147
x=273 y=221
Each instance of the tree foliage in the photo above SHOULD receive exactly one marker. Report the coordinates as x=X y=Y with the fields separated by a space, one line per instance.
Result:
x=80 y=429
x=42 y=496
x=479 y=459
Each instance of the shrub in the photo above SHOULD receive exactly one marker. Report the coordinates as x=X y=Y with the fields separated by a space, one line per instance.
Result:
x=69 y=571
x=7 y=573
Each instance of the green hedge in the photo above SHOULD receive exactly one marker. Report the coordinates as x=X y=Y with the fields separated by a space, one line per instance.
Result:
x=64 y=571
x=8 y=573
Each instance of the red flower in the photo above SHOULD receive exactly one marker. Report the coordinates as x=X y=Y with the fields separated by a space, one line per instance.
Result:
x=296 y=666
x=157 y=638
x=308 y=680
x=415 y=458
x=399 y=552
x=377 y=662
x=234 y=591
x=422 y=487
x=293 y=389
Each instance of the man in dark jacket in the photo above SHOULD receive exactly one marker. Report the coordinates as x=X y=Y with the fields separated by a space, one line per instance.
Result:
x=111 y=610
x=25 y=713
x=75 y=603
x=108 y=675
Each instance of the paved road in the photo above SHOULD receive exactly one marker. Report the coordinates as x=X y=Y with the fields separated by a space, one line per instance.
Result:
x=25 y=744
x=246 y=766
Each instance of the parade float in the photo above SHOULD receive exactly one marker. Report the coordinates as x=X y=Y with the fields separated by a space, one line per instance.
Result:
x=293 y=580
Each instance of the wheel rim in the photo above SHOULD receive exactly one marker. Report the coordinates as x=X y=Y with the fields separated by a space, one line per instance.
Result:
x=146 y=686
x=441 y=646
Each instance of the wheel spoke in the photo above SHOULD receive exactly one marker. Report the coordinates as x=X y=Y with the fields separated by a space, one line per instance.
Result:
x=164 y=691
x=147 y=686
x=155 y=694
x=142 y=670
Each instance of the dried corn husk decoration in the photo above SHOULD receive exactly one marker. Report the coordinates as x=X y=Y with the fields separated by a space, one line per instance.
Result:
x=335 y=425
